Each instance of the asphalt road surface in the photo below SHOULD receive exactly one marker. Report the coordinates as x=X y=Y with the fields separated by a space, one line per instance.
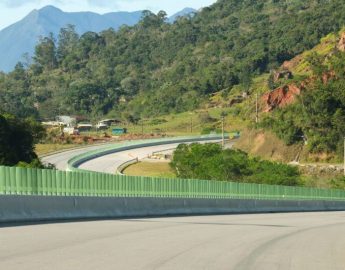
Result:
x=108 y=163
x=60 y=159
x=298 y=241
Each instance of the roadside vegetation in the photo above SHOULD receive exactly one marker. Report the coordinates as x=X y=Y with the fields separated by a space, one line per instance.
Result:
x=318 y=115
x=211 y=162
x=17 y=141
x=152 y=169
x=47 y=148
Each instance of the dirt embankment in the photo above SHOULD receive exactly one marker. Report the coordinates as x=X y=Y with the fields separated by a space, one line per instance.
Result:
x=267 y=146
x=341 y=43
x=286 y=94
x=281 y=97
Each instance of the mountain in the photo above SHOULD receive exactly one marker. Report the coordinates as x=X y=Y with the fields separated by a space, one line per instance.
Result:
x=302 y=103
x=21 y=37
x=184 y=12
x=156 y=68
x=309 y=106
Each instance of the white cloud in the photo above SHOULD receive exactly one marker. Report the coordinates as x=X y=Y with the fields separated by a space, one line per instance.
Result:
x=16 y=3
x=20 y=3
x=104 y=3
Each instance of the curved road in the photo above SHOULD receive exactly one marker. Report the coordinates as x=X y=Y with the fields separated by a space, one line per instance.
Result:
x=60 y=159
x=108 y=163
x=298 y=241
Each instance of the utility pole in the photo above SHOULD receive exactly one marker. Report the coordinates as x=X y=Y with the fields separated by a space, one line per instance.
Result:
x=142 y=127
x=257 y=109
x=191 y=124
x=223 y=137
x=344 y=156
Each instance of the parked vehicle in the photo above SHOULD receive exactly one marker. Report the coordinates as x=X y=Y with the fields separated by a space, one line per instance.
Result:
x=119 y=131
x=85 y=127
x=71 y=131
x=101 y=126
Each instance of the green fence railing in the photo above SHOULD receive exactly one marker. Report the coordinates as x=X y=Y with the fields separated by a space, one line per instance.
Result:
x=23 y=181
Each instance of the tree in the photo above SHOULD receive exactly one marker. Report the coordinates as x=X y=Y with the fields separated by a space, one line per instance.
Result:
x=319 y=112
x=209 y=161
x=17 y=138
x=150 y=19
x=87 y=97
x=45 y=53
x=67 y=41
x=129 y=86
x=162 y=68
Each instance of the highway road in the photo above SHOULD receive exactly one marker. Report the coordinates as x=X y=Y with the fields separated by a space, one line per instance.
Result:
x=108 y=163
x=60 y=159
x=298 y=241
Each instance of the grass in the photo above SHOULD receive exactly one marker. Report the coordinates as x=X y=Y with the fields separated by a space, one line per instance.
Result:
x=152 y=169
x=266 y=145
x=43 y=149
x=172 y=125
x=186 y=123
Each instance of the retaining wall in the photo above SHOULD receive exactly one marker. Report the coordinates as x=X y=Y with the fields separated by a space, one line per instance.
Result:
x=40 y=208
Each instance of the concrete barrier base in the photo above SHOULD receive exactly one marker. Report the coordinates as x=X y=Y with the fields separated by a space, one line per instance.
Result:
x=42 y=208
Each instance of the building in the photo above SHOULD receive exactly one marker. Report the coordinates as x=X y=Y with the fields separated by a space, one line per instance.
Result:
x=109 y=122
x=67 y=120
x=84 y=127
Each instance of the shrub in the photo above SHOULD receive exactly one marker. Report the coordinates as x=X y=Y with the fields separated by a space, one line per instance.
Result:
x=210 y=161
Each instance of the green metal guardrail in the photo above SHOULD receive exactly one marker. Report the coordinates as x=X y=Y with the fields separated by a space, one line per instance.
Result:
x=23 y=181
x=78 y=160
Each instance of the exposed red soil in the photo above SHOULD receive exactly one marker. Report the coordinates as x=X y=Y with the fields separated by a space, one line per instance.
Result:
x=281 y=97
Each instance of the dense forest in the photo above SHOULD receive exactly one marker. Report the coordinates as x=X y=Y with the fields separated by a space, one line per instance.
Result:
x=155 y=68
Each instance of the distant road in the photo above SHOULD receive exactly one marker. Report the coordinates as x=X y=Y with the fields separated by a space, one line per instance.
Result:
x=296 y=241
x=60 y=159
x=108 y=163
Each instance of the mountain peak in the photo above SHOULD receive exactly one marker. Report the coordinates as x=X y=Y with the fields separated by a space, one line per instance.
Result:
x=49 y=9
x=188 y=9
x=184 y=12
x=22 y=37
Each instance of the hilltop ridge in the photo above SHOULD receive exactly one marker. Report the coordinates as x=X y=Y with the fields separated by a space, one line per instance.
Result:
x=155 y=68
x=22 y=37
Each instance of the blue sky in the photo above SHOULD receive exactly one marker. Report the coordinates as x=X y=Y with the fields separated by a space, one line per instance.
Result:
x=14 y=10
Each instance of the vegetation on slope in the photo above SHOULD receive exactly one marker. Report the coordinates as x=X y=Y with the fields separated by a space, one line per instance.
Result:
x=318 y=114
x=209 y=161
x=157 y=68
x=266 y=145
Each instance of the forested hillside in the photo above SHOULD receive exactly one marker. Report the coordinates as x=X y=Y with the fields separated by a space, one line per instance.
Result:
x=316 y=113
x=155 y=68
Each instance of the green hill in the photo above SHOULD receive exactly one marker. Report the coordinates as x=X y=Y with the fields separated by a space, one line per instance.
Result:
x=156 y=68
x=305 y=108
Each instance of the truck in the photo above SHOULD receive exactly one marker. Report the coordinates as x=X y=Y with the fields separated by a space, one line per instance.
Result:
x=119 y=131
